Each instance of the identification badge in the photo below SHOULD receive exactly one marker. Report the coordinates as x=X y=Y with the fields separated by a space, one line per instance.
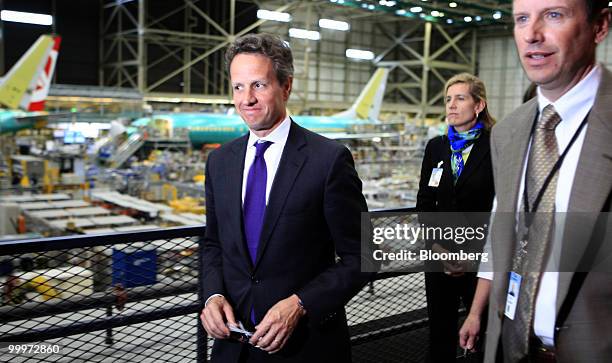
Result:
x=436 y=175
x=513 y=294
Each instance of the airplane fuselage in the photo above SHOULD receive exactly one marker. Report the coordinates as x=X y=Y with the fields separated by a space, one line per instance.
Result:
x=216 y=128
x=9 y=120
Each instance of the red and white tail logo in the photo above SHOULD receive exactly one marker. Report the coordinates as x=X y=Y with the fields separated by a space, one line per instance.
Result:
x=37 y=102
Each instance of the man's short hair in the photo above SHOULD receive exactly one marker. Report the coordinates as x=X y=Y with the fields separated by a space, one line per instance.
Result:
x=594 y=8
x=268 y=45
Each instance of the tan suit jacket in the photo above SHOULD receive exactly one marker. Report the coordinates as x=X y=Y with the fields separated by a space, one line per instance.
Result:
x=584 y=301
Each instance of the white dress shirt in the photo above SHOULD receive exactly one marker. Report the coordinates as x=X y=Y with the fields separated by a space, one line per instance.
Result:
x=573 y=107
x=272 y=156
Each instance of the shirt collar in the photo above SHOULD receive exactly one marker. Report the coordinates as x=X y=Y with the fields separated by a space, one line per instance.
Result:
x=277 y=136
x=581 y=95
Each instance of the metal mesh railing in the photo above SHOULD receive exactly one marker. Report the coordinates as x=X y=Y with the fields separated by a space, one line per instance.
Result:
x=133 y=297
x=119 y=297
x=388 y=318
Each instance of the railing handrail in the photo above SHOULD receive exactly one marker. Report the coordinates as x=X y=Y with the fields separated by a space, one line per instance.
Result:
x=100 y=323
x=102 y=299
x=80 y=241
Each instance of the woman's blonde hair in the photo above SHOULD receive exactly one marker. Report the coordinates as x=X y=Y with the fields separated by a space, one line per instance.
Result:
x=478 y=93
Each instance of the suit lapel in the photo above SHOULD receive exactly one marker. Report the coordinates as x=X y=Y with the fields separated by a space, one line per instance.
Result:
x=447 y=168
x=477 y=154
x=291 y=163
x=591 y=186
x=509 y=165
x=234 y=169
x=513 y=154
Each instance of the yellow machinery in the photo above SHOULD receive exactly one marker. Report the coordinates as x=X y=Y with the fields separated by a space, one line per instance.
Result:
x=50 y=177
x=169 y=189
x=188 y=205
x=16 y=288
x=42 y=286
x=25 y=181
x=183 y=205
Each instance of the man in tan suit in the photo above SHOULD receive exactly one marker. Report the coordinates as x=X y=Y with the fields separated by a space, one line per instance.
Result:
x=554 y=154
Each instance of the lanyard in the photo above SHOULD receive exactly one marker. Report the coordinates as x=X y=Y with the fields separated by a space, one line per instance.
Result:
x=553 y=171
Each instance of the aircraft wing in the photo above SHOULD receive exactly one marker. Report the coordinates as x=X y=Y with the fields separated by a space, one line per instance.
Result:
x=359 y=136
x=43 y=116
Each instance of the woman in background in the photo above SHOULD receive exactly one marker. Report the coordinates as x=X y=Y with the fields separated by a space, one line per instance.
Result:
x=456 y=176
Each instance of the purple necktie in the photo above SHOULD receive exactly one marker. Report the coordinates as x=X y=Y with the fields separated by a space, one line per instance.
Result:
x=255 y=199
x=254 y=205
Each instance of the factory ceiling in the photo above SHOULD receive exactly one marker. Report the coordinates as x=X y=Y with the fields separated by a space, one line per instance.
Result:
x=458 y=13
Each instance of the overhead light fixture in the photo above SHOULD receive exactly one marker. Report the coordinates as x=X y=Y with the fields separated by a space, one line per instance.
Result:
x=371 y=7
x=304 y=34
x=453 y=4
x=467 y=19
x=449 y=21
x=416 y=9
x=273 y=15
x=359 y=54
x=334 y=24
x=400 y=12
x=497 y=15
x=478 y=18
x=27 y=18
x=387 y=3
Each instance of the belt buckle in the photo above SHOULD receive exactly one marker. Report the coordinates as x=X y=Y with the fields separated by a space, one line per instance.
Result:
x=542 y=350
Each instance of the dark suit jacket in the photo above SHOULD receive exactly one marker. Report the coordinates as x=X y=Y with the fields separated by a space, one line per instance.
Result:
x=584 y=301
x=313 y=213
x=473 y=192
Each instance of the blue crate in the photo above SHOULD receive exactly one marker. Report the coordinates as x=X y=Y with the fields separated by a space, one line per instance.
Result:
x=133 y=266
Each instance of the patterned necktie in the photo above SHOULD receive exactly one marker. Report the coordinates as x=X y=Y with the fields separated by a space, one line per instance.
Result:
x=543 y=155
x=254 y=205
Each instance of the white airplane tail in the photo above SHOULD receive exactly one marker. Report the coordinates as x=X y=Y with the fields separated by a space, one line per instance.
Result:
x=37 y=102
x=368 y=104
x=27 y=84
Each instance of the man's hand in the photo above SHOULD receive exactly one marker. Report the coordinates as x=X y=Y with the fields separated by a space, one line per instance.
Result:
x=214 y=316
x=468 y=334
x=451 y=268
x=272 y=333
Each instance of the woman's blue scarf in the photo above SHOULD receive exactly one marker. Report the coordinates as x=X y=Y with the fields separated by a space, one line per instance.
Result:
x=460 y=141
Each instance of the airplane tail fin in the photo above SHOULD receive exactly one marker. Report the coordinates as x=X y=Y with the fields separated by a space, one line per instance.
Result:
x=19 y=84
x=37 y=102
x=368 y=104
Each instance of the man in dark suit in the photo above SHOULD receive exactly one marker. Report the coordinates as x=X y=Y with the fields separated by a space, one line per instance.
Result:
x=564 y=307
x=282 y=247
